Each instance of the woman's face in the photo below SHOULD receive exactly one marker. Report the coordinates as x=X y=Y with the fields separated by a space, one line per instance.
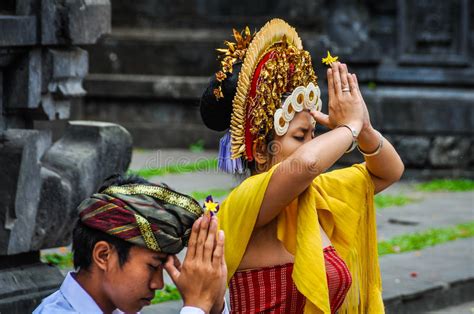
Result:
x=300 y=131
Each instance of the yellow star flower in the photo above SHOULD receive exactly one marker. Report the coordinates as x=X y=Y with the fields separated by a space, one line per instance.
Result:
x=329 y=59
x=211 y=206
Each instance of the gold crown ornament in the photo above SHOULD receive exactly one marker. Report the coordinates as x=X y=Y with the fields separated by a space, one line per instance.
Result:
x=274 y=64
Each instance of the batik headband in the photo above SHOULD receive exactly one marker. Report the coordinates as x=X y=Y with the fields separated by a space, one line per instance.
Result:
x=151 y=216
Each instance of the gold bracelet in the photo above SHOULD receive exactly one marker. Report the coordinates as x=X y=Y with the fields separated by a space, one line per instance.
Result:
x=377 y=151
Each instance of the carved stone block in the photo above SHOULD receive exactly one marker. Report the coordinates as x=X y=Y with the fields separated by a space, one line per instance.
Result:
x=20 y=153
x=66 y=72
x=433 y=32
x=2 y=119
x=413 y=150
x=23 y=82
x=23 y=287
x=450 y=151
x=17 y=30
x=74 y=22
x=73 y=168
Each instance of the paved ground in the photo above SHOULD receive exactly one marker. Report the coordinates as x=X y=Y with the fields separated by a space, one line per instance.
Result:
x=432 y=210
x=414 y=282
x=465 y=308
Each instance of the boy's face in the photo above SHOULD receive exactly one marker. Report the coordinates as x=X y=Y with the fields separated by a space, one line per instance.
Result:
x=132 y=286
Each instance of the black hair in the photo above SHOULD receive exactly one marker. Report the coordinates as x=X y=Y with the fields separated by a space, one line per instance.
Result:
x=85 y=238
x=216 y=113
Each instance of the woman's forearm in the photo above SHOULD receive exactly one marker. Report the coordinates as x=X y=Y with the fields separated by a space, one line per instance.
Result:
x=386 y=167
x=322 y=152
x=296 y=173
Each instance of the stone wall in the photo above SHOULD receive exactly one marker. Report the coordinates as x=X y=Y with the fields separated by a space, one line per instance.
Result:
x=43 y=180
x=413 y=59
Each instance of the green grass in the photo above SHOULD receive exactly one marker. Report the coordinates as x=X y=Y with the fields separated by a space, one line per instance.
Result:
x=216 y=193
x=168 y=293
x=197 y=147
x=387 y=200
x=371 y=85
x=447 y=185
x=201 y=165
x=60 y=260
x=421 y=240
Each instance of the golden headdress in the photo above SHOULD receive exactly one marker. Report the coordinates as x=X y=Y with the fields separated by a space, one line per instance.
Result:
x=274 y=63
x=265 y=78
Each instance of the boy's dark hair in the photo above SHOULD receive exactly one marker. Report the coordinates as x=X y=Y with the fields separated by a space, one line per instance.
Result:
x=84 y=238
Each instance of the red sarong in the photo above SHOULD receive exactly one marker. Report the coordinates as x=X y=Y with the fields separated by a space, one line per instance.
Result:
x=272 y=290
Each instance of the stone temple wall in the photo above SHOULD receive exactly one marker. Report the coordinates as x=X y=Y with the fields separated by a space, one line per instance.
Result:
x=414 y=60
x=43 y=180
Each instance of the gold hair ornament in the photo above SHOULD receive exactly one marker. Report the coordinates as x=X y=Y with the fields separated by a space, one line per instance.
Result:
x=274 y=81
x=230 y=55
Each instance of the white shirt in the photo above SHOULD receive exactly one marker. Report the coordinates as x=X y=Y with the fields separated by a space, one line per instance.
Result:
x=72 y=298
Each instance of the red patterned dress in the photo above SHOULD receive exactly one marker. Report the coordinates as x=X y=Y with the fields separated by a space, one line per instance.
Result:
x=272 y=290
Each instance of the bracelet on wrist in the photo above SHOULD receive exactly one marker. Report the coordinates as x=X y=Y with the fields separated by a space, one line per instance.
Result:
x=354 y=133
x=377 y=150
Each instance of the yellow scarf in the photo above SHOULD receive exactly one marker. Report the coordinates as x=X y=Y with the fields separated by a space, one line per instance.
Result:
x=344 y=202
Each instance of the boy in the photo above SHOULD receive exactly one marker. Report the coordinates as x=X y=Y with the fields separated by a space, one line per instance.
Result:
x=127 y=233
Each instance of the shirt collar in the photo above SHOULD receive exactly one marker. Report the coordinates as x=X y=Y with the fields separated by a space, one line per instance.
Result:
x=79 y=299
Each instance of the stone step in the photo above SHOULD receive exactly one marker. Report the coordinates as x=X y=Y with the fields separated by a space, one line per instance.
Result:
x=157 y=51
x=163 y=111
x=180 y=14
x=440 y=276
x=425 y=106
x=170 y=87
x=464 y=308
x=424 y=109
x=192 y=51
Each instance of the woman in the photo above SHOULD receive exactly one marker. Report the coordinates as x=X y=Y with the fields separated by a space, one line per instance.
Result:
x=298 y=239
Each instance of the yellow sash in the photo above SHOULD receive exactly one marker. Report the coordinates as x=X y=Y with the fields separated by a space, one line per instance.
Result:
x=344 y=202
